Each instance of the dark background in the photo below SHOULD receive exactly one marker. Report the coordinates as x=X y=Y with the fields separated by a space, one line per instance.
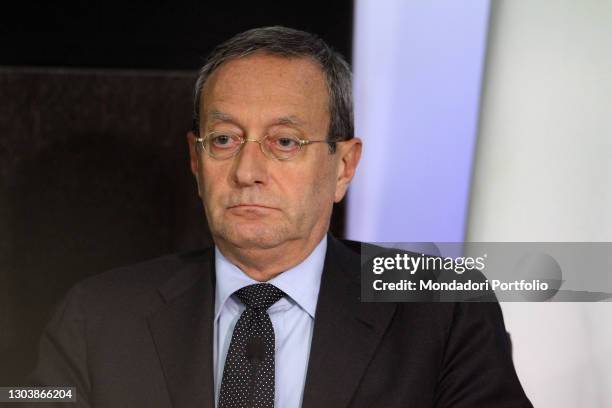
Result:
x=95 y=100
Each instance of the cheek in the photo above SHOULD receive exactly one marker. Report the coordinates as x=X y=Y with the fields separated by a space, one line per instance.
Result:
x=316 y=192
x=211 y=185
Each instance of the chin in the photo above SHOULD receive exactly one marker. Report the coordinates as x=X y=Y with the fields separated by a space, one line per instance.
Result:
x=254 y=236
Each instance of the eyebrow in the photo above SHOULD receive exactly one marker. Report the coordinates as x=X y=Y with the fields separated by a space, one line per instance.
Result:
x=290 y=120
x=222 y=116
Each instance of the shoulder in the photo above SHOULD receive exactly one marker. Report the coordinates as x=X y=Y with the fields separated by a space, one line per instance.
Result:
x=443 y=315
x=148 y=273
x=355 y=257
x=137 y=286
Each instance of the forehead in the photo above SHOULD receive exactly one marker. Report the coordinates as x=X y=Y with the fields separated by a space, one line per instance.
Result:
x=278 y=85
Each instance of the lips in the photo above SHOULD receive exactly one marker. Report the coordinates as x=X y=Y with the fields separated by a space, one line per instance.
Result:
x=253 y=206
x=253 y=212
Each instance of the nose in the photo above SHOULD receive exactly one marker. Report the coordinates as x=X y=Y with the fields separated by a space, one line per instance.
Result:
x=250 y=166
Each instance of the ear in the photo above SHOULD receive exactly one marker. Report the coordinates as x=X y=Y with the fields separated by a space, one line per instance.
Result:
x=193 y=154
x=193 y=159
x=349 y=154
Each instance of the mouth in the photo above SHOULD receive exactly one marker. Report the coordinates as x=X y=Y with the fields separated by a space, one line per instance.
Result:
x=247 y=206
x=253 y=212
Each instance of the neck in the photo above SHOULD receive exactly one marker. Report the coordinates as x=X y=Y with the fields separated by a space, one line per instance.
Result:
x=263 y=264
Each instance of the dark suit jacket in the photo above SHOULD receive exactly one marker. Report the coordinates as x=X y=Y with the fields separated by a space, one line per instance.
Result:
x=142 y=336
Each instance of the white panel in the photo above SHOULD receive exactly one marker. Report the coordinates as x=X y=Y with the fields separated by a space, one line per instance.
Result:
x=543 y=172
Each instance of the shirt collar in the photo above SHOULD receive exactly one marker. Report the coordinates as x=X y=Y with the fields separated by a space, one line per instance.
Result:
x=301 y=283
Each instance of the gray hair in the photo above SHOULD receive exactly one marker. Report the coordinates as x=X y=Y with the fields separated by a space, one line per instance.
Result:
x=290 y=43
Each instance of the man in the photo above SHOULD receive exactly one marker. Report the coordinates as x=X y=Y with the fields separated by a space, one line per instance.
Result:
x=271 y=315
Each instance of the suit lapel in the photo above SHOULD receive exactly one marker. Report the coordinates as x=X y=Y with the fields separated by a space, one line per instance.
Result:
x=346 y=331
x=183 y=333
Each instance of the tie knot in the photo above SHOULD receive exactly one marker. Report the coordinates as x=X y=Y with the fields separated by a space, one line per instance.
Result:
x=260 y=295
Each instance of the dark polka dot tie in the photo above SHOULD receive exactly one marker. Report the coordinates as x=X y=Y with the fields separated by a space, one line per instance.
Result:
x=248 y=375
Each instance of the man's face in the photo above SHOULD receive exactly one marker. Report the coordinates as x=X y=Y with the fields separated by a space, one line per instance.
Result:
x=253 y=201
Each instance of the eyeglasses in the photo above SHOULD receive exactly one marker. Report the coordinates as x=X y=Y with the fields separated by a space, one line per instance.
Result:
x=224 y=145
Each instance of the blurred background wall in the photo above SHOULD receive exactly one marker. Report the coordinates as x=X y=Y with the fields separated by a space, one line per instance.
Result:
x=95 y=103
x=519 y=151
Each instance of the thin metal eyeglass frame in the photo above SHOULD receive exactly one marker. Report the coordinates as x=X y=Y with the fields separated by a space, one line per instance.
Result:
x=244 y=140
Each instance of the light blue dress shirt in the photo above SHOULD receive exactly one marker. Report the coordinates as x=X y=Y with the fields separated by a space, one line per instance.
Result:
x=292 y=319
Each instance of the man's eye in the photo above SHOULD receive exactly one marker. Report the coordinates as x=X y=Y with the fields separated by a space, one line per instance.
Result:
x=285 y=143
x=222 y=141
